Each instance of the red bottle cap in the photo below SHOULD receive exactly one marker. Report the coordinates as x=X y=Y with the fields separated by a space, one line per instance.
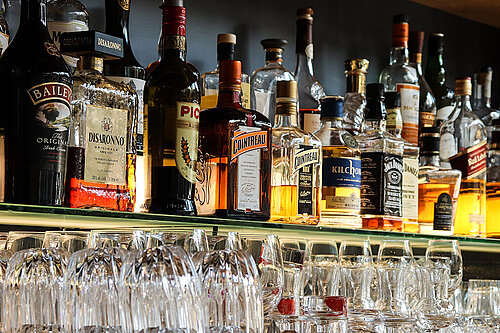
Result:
x=230 y=72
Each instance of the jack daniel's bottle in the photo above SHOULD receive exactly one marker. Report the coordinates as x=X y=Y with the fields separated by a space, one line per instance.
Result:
x=35 y=89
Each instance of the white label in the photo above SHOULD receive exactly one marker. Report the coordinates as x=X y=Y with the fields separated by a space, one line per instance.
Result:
x=138 y=86
x=410 y=188
x=312 y=122
x=262 y=100
x=249 y=177
x=186 y=139
x=476 y=219
x=56 y=28
x=447 y=146
x=4 y=42
x=105 y=145
x=310 y=51
x=410 y=96
x=444 y=113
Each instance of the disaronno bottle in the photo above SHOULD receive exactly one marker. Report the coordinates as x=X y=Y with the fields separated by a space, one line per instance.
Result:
x=210 y=80
x=341 y=174
x=400 y=77
x=101 y=154
x=296 y=163
x=234 y=166
x=171 y=117
x=463 y=146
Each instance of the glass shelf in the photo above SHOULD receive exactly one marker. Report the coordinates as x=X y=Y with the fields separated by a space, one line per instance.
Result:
x=12 y=216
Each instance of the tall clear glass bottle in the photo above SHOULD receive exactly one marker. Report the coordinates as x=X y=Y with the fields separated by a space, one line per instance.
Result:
x=427 y=107
x=493 y=183
x=410 y=162
x=355 y=99
x=382 y=166
x=66 y=16
x=296 y=163
x=481 y=100
x=401 y=77
x=341 y=187
x=4 y=28
x=263 y=80
x=435 y=74
x=102 y=147
x=234 y=166
x=210 y=80
x=463 y=147
x=309 y=89
x=438 y=188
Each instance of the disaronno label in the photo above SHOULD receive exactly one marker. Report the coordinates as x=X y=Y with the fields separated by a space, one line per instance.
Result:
x=186 y=139
x=106 y=145
x=56 y=28
x=471 y=161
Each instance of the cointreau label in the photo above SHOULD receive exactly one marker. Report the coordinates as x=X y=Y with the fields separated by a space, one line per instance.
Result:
x=471 y=161
x=304 y=162
x=244 y=141
x=186 y=143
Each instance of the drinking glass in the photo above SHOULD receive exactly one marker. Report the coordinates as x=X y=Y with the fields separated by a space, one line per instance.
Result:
x=160 y=291
x=483 y=299
x=234 y=292
x=449 y=249
x=33 y=291
x=71 y=241
x=127 y=239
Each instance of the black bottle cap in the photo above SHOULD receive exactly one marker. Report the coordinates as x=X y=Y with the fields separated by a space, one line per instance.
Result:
x=274 y=43
x=91 y=43
x=392 y=99
x=332 y=107
x=400 y=19
x=436 y=41
x=429 y=141
x=375 y=108
x=225 y=46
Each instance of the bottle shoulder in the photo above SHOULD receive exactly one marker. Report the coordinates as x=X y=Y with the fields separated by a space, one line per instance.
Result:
x=179 y=76
x=295 y=135
x=398 y=73
x=232 y=116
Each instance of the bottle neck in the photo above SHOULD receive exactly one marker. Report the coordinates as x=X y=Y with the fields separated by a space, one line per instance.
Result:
x=304 y=66
x=375 y=125
x=356 y=83
x=431 y=160
x=416 y=62
x=33 y=11
x=435 y=73
x=482 y=94
x=399 y=55
x=335 y=123
x=274 y=57
x=285 y=120
x=229 y=96
x=173 y=34
x=117 y=18
x=462 y=104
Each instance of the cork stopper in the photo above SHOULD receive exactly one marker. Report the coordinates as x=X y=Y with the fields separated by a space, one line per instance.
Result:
x=230 y=74
x=286 y=97
x=226 y=38
x=416 y=45
x=463 y=86
x=305 y=14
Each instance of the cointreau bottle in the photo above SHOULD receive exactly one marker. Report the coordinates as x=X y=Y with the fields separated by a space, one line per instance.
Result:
x=234 y=167
x=35 y=91
x=296 y=163
x=171 y=117
x=102 y=150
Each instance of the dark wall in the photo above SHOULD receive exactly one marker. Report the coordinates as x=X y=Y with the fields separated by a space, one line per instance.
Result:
x=342 y=29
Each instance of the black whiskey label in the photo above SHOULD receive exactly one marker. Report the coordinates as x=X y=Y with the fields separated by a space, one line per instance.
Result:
x=304 y=162
x=443 y=212
x=381 y=184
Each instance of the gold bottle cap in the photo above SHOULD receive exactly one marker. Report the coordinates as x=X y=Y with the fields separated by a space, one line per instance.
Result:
x=305 y=13
x=463 y=86
x=286 y=97
x=356 y=70
x=92 y=62
x=226 y=38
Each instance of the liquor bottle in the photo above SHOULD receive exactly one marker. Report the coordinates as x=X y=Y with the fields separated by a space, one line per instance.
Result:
x=101 y=153
x=129 y=71
x=36 y=89
x=401 y=77
x=210 y=80
x=438 y=188
x=355 y=99
x=427 y=107
x=171 y=117
x=310 y=90
x=263 y=80
x=4 y=28
x=463 y=146
x=341 y=177
x=381 y=165
x=66 y=16
x=296 y=163
x=435 y=74
x=234 y=178
x=493 y=183
x=410 y=162
x=481 y=101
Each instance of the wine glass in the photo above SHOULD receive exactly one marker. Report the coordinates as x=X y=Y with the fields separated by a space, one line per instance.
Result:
x=449 y=249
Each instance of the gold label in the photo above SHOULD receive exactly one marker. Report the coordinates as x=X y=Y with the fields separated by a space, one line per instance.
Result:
x=125 y=4
x=51 y=49
x=174 y=42
x=106 y=145
x=245 y=95
x=186 y=139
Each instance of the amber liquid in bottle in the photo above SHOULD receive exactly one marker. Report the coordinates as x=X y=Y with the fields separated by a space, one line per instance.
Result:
x=493 y=209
